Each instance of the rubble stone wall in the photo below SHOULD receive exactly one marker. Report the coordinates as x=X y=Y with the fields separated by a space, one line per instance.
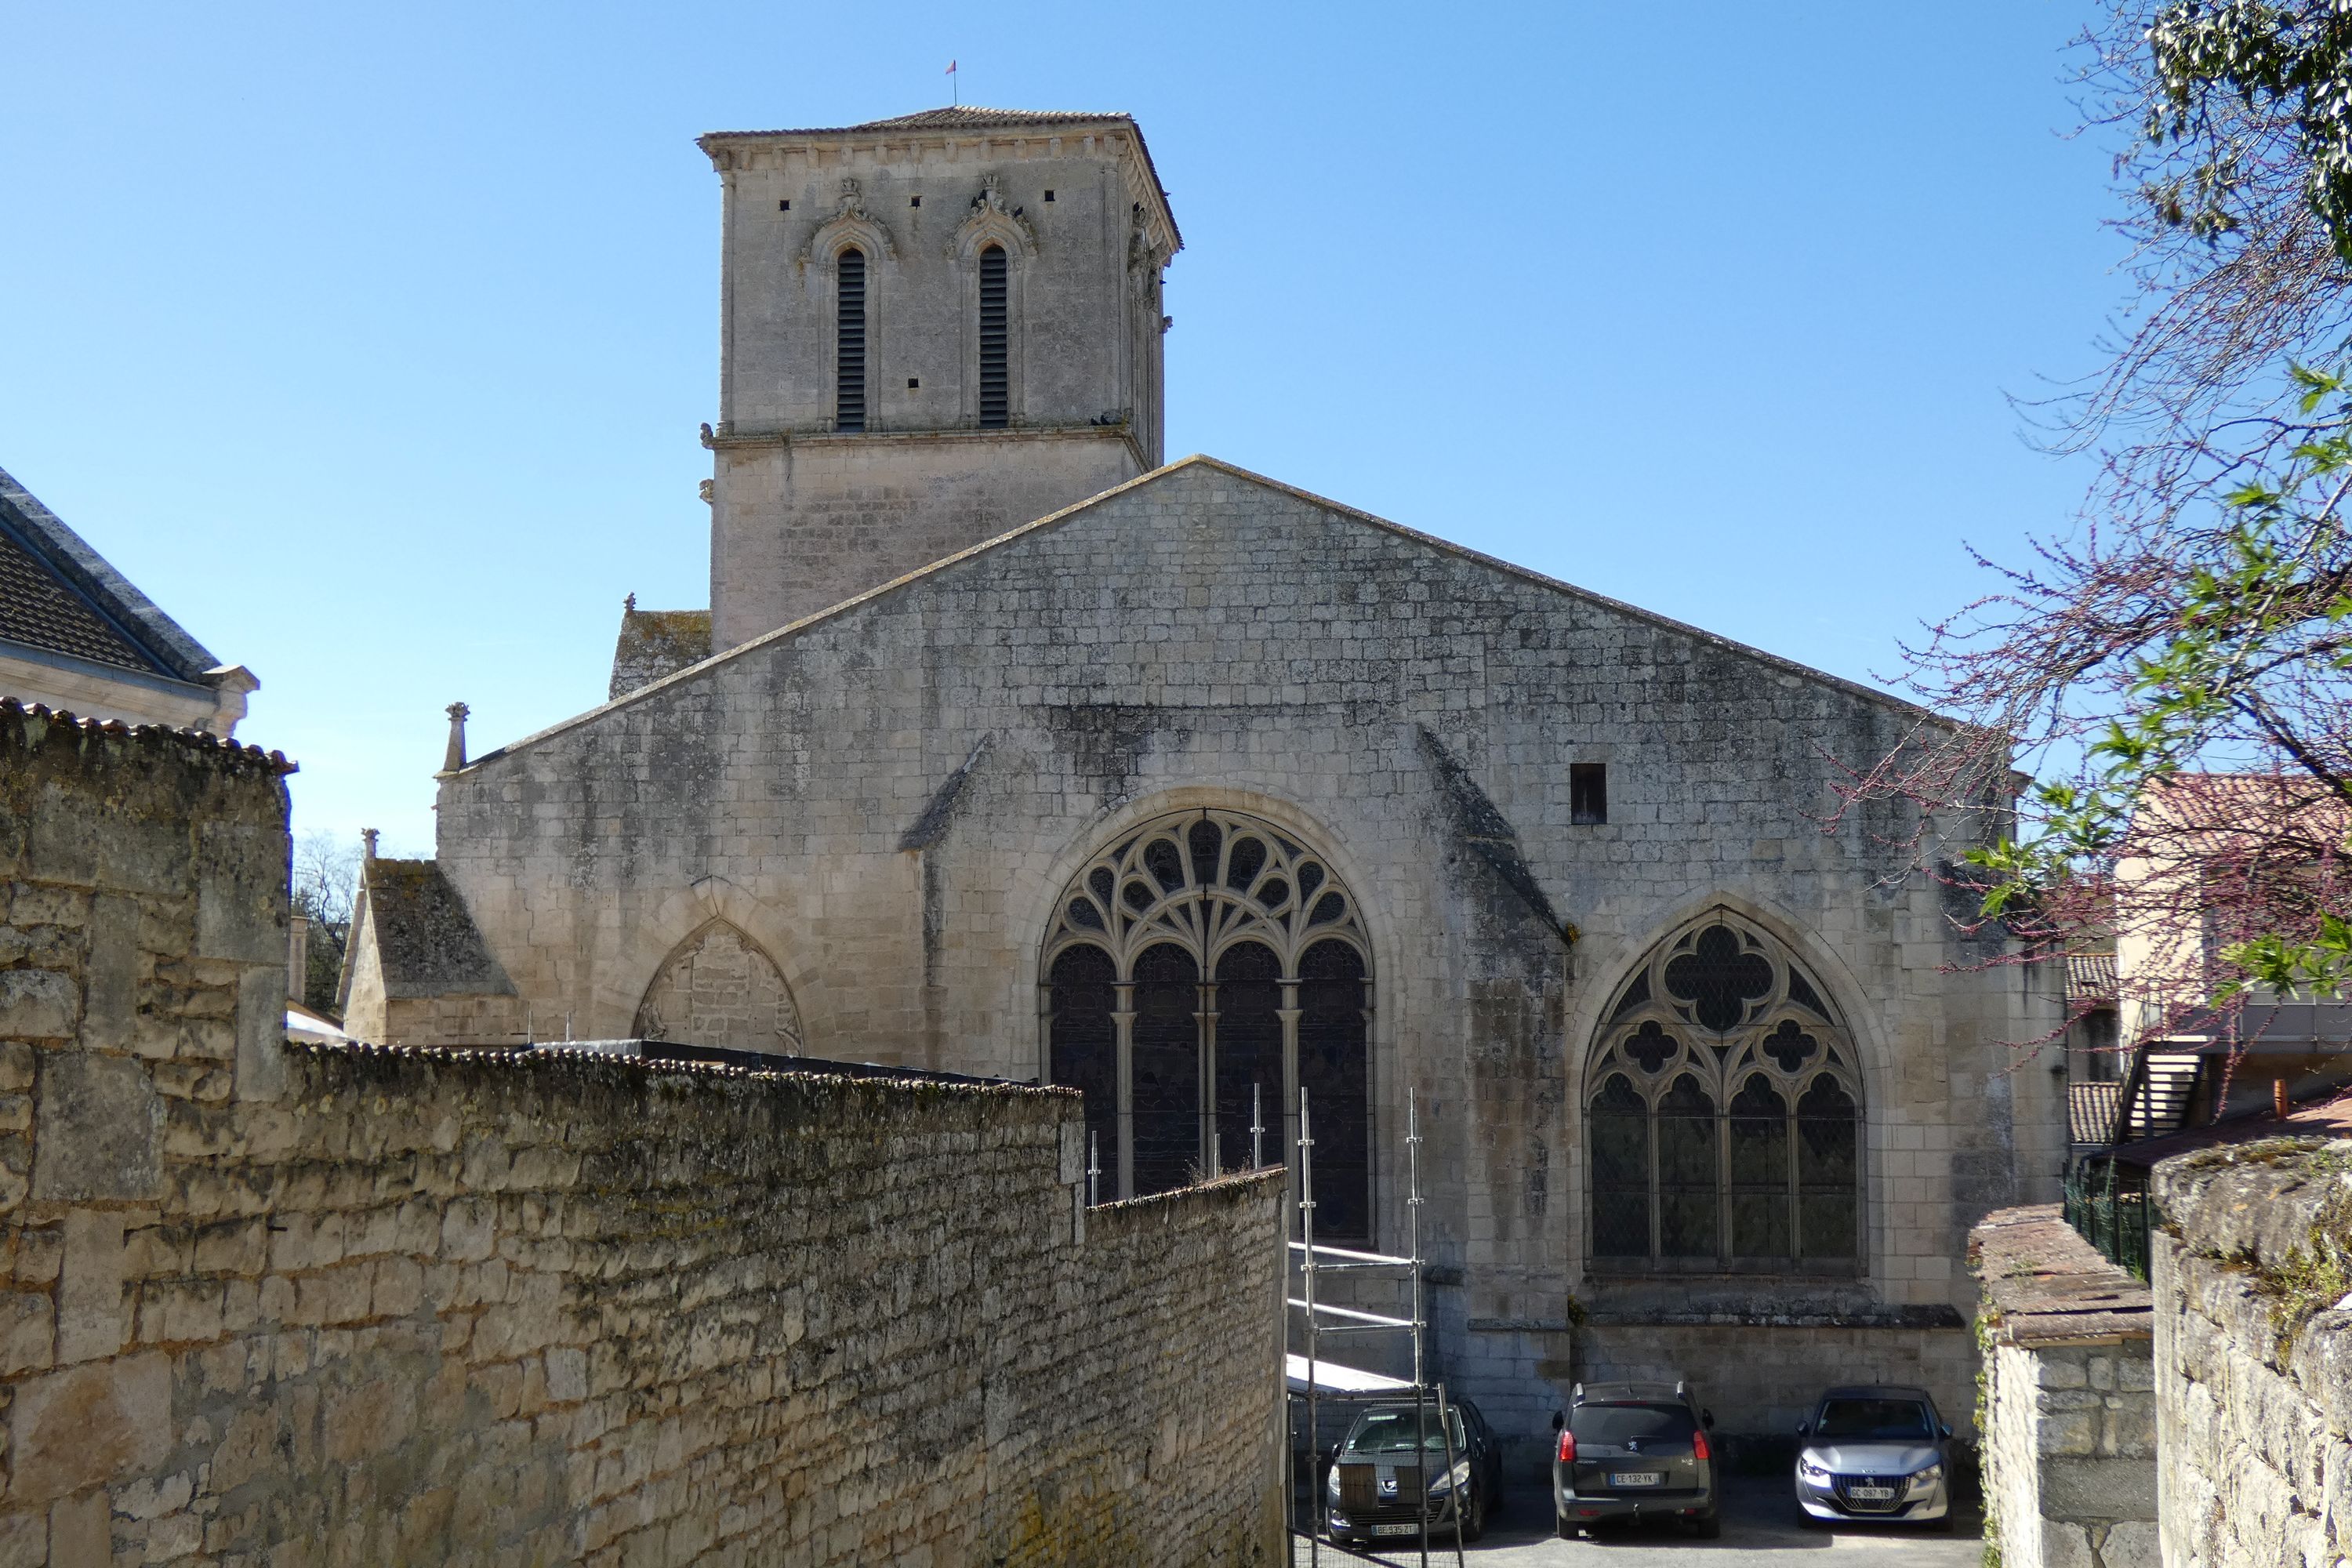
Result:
x=270 y=1303
x=2254 y=1355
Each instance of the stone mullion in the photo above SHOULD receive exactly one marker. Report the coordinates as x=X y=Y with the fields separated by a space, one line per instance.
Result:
x=1796 y=1185
x=1722 y=1179
x=1657 y=1191
x=1122 y=1019
x=1045 y=1031
x=1288 y=1153
x=1205 y=1021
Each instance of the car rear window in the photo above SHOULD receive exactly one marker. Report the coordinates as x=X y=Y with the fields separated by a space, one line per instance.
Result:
x=1875 y=1421
x=1617 y=1423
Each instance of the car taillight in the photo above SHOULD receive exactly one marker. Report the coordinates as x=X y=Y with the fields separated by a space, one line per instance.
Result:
x=1698 y=1447
x=1568 y=1447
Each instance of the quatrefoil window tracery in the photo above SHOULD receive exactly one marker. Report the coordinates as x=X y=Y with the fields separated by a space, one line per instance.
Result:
x=1723 y=1112
x=1721 y=1001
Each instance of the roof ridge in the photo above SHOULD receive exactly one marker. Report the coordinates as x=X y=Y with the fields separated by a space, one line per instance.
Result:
x=1201 y=459
x=945 y=114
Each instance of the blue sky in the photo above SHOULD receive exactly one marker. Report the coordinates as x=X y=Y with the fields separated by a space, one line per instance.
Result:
x=371 y=344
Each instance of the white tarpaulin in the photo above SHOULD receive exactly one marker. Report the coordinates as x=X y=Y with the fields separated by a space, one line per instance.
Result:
x=1331 y=1377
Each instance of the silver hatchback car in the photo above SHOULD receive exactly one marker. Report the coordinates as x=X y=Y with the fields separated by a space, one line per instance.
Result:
x=1877 y=1453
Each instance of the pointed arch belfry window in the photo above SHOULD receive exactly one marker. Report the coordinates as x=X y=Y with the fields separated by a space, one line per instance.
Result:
x=1723 y=1113
x=1198 y=958
x=849 y=341
x=995 y=374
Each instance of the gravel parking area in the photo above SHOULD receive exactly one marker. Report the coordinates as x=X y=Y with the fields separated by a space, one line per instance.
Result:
x=1759 y=1526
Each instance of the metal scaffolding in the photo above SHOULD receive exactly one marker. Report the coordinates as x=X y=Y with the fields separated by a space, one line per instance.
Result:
x=1312 y=1261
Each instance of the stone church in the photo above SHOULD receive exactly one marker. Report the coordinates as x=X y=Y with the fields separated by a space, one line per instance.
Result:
x=1007 y=747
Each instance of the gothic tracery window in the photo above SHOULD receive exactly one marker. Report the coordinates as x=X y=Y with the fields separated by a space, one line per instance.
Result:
x=1199 y=959
x=1723 y=1112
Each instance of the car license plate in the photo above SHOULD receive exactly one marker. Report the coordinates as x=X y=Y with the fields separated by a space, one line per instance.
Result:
x=1872 y=1494
x=1636 y=1478
x=1396 y=1529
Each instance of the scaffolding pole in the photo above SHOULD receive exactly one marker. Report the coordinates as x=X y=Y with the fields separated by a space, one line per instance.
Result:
x=1311 y=1260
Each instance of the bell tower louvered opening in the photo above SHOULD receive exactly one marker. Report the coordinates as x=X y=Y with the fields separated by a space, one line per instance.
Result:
x=995 y=392
x=849 y=347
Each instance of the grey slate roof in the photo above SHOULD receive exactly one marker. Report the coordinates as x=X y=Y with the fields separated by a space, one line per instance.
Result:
x=656 y=643
x=425 y=940
x=59 y=595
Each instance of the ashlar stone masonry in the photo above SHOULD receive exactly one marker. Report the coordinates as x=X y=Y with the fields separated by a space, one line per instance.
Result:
x=1015 y=754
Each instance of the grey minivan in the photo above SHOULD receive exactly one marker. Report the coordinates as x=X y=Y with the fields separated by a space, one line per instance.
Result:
x=1878 y=1452
x=1634 y=1450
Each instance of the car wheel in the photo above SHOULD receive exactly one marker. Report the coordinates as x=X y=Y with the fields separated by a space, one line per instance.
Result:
x=1473 y=1517
x=1806 y=1520
x=1708 y=1526
x=1942 y=1526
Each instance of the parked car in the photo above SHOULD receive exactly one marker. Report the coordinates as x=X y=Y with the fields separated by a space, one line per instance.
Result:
x=1377 y=1474
x=1876 y=1452
x=1634 y=1450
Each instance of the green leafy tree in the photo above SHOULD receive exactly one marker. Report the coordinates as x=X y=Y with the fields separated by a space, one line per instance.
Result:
x=2175 y=673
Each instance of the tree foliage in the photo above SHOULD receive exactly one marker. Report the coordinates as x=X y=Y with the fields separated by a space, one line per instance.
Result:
x=2177 y=669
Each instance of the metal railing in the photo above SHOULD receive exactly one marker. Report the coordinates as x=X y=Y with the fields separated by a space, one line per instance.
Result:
x=2108 y=1207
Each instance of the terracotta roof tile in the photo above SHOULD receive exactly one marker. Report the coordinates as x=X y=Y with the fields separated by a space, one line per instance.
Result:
x=962 y=117
x=65 y=597
x=2047 y=1285
x=39 y=610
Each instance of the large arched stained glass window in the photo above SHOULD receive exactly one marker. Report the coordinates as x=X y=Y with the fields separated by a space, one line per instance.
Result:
x=1723 y=1114
x=1198 y=974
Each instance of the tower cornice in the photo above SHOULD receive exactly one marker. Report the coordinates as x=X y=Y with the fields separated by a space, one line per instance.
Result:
x=979 y=135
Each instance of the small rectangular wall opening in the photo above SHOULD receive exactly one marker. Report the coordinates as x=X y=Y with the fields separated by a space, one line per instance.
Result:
x=1588 y=793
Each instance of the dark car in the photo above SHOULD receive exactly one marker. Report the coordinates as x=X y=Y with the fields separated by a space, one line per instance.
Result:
x=1876 y=1452
x=1634 y=1450
x=1390 y=1456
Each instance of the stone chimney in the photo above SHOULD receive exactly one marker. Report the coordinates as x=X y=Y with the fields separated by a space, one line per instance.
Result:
x=367 y=843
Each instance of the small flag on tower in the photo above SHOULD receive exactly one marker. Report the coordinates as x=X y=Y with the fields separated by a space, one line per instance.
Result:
x=950 y=70
x=958 y=84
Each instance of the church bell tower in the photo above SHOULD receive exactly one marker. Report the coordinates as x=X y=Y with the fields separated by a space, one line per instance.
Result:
x=934 y=329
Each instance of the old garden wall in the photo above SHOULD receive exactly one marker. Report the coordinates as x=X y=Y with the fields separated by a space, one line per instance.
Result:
x=2254 y=1355
x=2068 y=1442
x=262 y=1303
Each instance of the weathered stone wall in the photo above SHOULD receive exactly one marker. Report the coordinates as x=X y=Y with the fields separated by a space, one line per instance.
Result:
x=1206 y=638
x=803 y=518
x=1767 y=1376
x=294 y=1305
x=800 y=523
x=2068 y=1445
x=2070 y=1455
x=2254 y=1355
